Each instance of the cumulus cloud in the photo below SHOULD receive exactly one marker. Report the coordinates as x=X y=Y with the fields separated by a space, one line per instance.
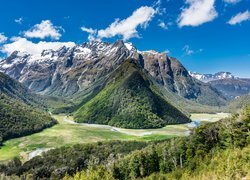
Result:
x=197 y=13
x=127 y=28
x=24 y=45
x=232 y=1
x=240 y=17
x=90 y=31
x=43 y=30
x=19 y=20
x=163 y=25
x=3 y=38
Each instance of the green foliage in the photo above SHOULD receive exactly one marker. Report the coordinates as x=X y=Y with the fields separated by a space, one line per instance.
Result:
x=92 y=174
x=130 y=100
x=188 y=157
x=194 y=153
x=238 y=103
x=218 y=149
x=18 y=119
x=67 y=160
x=19 y=110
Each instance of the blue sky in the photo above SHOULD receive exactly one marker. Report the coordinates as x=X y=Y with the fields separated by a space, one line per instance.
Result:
x=205 y=35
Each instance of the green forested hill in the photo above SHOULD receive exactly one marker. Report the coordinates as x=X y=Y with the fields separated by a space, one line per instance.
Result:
x=130 y=100
x=214 y=151
x=19 y=112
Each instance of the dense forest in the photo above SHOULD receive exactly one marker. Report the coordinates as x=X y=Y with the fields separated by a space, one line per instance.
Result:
x=67 y=160
x=130 y=100
x=218 y=150
x=19 y=119
x=21 y=111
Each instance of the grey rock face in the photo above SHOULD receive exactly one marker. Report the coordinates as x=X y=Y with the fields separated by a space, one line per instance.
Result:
x=70 y=70
x=232 y=88
x=170 y=73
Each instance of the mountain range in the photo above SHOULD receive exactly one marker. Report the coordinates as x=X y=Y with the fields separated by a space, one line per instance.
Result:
x=130 y=99
x=117 y=85
x=212 y=77
x=226 y=83
x=99 y=82
x=70 y=71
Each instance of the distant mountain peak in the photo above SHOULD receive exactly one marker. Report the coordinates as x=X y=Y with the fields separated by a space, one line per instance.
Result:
x=212 y=77
x=69 y=70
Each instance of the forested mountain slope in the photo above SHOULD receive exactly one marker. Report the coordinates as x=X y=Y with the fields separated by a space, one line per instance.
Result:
x=20 y=110
x=130 y=99
x=67 y=72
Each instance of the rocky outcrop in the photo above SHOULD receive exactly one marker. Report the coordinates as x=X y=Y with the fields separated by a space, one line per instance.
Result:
x=232 y=88
x=71 y=70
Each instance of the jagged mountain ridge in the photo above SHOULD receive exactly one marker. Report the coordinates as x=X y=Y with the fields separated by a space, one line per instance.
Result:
x=226 y=83
x=232 y=88
x=130 y=99
x=68 y=71
x=211 y=77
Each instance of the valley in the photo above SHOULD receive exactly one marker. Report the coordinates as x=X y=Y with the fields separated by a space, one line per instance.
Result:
x=149 y=90
x=68 y=133
x=61 y=112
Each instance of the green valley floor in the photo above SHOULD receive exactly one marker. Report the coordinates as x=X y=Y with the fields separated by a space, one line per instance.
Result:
x=67 y=133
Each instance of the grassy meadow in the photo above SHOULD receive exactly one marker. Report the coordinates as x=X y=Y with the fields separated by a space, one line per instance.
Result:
x=66 y=134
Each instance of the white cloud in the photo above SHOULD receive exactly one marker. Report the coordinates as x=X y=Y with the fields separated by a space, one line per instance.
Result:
x=187 y=50
x=3 y=38
x=158 y=7
x=163 y=25
x=24 y=45
x=232 y=1
x=19 y=20
x=127 y=28
x=90 y=31
x=43 y=30
x=240 y=17
x=198 y=12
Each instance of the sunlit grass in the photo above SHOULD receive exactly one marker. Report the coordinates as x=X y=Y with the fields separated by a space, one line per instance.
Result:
x=65 y=134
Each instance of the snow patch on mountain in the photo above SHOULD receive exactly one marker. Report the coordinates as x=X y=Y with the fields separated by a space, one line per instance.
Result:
x=212 y=77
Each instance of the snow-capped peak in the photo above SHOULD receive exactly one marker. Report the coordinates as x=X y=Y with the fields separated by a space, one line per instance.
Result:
x=212 y=77
x=129 y=46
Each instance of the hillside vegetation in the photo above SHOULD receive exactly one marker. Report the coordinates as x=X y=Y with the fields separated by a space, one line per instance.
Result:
x=130 y=100
x=239 y=102
x=18 y=119
x=214 y=151
x=19 y=111
x=217 y=151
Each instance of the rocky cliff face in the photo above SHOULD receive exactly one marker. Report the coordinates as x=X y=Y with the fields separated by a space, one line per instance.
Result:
x=231 y=88
x=174 y=77
x=70 y=70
